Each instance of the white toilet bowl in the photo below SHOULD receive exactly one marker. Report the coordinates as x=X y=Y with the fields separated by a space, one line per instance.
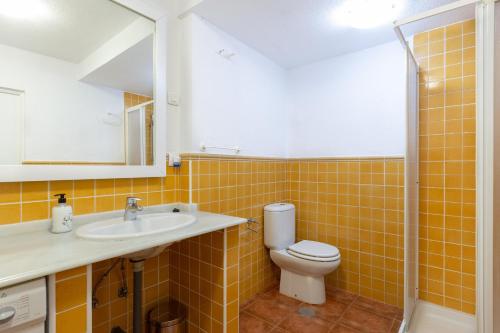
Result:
x=303 y=264
x=302 y=275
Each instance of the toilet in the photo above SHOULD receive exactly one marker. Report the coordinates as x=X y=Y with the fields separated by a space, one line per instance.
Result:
x=303 y=264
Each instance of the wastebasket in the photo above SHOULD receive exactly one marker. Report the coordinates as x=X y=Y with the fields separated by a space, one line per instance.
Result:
x=168 y=317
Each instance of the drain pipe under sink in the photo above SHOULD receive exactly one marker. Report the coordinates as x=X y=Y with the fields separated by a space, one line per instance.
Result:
x=138 y=267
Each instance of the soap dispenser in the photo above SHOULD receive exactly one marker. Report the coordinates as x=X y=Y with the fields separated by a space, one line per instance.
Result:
x=62 y=216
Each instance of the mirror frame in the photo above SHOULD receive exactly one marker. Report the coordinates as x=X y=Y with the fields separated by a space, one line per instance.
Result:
x=14 y=173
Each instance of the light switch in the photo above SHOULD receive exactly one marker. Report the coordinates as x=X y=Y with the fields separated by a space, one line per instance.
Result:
x=173 y=99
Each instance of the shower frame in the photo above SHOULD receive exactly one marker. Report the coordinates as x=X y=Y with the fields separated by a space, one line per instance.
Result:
x=485 y=34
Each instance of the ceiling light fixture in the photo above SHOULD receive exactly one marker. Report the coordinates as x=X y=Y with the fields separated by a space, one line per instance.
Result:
x=24 y=9
x=366 y=14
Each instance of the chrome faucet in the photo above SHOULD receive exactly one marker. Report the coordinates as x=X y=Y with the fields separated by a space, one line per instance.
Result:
x=131 y=209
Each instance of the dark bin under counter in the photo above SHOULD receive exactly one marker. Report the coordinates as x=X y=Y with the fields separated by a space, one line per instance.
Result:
x=168 y=317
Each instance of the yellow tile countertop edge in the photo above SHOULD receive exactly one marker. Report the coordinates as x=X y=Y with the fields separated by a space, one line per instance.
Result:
x=29 y=250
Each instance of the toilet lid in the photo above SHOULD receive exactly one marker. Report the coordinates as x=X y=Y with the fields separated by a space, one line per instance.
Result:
x=311 y=249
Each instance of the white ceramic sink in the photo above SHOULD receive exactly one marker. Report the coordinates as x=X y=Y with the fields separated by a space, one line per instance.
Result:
x=145 y=225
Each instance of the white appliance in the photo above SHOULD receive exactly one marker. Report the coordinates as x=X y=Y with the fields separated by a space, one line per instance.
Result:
x=23 y=307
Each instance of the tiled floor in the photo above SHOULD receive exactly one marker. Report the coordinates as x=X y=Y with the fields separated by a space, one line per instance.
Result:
x=342 y=313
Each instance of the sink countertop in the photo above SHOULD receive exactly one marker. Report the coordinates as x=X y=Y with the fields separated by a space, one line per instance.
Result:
x=29 y=250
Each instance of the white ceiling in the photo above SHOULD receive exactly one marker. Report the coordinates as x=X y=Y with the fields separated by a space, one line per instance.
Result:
x=72 y=30
x=132 y=70
x=298 y=32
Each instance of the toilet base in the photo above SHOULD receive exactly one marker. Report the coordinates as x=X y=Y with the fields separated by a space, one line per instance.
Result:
x=307 y=289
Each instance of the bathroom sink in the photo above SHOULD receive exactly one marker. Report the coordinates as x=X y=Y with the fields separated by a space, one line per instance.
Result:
x=145 y=225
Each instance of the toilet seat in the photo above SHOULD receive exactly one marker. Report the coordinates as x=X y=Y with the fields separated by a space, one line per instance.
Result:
x=318 y=259
x=314 y=251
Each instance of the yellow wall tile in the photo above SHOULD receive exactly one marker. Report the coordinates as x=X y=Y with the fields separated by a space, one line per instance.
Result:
x=71 y=273
x=154 y=198
x=10 y=213
x=469 y=68
x=447 y=167
x=123 y=186
x=454 y=43
x=104 y=187
x=435 y=48
x=91 y=196
x=139 y=185
x=72 y=321
x=35 y=211
x=454 y=57
x=436 y=35
x=84 y=206
x=454 y=30
x=469 y=54
x=105 y=203
x=84 y=188
x=422 y=38
x=469 y=26
x=71 y=293
x=469 y=40
x=58 y=187
x=10 y=192
x=34 y=191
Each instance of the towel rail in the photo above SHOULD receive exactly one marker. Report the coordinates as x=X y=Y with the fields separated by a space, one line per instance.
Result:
x=204 y=147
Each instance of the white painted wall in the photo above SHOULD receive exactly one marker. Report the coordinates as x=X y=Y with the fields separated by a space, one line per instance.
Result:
x=131 y=48
x=63 y=117
x=238 y=102
x=352 y=105
x=11 y=109
x=346 y=106
x=175 y=52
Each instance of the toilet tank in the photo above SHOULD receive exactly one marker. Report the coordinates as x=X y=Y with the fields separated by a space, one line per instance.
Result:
x=279 y=225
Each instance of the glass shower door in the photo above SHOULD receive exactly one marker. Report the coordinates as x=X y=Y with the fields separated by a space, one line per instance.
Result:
x=135 y=136
x=411 y=188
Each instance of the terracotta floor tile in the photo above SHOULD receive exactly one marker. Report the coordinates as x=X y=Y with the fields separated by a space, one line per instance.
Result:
x=342 y=329
x=296 y=323
x=385 y=310
x=330 y=311
x=395 y=326
x=342 y=296
x=245 y=305
x=251 y=324
x=275 y=313
x=269 y=310
x=366 y=321
x=276 y=296
x=278 y=330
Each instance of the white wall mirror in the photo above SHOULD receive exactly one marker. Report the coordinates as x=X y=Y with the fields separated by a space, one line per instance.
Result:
x=82 y=89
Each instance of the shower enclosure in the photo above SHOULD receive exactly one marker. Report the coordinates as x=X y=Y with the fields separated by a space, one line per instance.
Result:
x=139 y=134
x=449 y=168
x=411 y=187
